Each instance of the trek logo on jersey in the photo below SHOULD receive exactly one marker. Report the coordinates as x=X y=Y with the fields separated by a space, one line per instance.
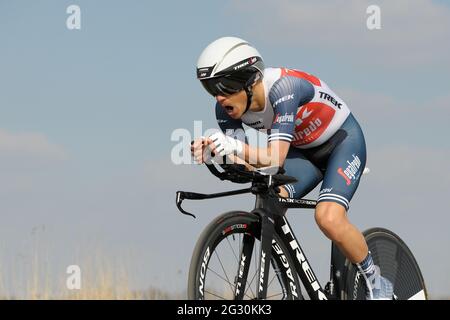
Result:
x=350 y=173
x=284 y=118
x=326 y=96
x=282 y=99
x=311 y=121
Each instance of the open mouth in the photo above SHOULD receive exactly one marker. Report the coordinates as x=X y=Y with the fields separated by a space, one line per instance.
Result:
x=229 y=109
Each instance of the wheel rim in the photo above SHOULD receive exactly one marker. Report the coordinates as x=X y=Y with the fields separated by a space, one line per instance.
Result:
x=396 y=263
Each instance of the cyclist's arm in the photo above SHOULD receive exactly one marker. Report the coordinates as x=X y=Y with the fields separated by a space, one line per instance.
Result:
x=229 y=126
x=286 y=96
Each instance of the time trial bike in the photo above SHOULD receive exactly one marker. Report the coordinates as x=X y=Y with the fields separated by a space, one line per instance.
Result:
x=255 y=255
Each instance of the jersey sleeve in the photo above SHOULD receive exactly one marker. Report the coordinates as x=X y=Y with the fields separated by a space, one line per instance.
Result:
x=286 y=96
x=229 y=126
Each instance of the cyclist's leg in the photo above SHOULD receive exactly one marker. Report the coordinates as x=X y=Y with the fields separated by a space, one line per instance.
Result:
x=342 y=176
x=343 y=172
x=308 y=175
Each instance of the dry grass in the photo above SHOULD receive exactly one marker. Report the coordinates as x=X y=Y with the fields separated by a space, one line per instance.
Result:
x=101 y=279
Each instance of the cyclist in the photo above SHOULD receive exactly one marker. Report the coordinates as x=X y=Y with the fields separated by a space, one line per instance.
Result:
x=311 y=133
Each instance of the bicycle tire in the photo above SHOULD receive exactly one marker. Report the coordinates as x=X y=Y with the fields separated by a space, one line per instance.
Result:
x=396 y=262
x=221 y=234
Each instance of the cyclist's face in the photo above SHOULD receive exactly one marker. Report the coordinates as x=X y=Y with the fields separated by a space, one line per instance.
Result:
x=234 y=104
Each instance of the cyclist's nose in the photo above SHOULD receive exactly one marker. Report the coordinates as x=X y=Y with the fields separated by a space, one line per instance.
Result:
x=220 y=99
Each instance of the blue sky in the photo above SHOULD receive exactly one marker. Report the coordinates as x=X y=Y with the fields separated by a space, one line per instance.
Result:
x=86 y=118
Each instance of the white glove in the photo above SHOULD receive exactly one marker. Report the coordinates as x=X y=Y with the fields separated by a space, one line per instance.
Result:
x=226 y=145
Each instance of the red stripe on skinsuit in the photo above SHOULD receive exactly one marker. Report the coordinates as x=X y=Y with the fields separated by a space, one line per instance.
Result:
x=341 y=172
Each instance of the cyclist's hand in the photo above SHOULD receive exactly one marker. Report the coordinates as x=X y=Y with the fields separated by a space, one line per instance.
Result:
x=199 y=147
x=225 y=145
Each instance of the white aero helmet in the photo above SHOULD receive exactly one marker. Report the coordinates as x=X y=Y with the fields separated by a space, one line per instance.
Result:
x=229 y=65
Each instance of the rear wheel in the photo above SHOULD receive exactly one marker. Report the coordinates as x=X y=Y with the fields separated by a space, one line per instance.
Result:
x=225 y=262
x=396 y=263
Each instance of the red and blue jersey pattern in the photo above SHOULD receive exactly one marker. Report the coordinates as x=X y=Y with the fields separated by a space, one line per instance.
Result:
x=299 y=108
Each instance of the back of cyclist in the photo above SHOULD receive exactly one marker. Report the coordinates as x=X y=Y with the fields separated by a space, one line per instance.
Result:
x=311 y=133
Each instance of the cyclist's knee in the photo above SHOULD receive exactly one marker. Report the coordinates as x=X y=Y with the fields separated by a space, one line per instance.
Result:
x=283 y=192
x=331 y=219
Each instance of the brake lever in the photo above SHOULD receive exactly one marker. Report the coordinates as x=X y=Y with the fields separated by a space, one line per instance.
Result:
x=181 y=195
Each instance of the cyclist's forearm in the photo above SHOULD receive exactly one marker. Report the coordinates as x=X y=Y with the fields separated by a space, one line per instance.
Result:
x=260 y=157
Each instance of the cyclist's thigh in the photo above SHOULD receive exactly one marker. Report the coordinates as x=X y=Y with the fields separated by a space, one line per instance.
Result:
x=345 y=166
x=307 y=174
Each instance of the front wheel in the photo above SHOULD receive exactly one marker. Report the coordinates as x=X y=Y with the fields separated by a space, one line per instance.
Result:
x=396 y=263
x=225 y=263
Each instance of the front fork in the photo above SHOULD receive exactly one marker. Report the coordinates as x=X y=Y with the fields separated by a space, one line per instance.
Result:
x=265 y=256
x=244 y=266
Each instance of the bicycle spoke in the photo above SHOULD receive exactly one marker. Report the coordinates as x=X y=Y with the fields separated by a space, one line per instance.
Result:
x=270 y=282
x=218 y=275
x=274 y=295
x=234 y=253
x=249 y=285
x=241 y=237
x=225 y=273
x=275 y=276
x=225 y=280
x=215 y=295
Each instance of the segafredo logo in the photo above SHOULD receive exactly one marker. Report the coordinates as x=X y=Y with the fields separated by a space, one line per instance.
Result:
x=351 y=172
x=284 y=118
x=311 y=121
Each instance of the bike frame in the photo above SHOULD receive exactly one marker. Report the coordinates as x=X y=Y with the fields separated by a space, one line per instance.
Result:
x=271 y=209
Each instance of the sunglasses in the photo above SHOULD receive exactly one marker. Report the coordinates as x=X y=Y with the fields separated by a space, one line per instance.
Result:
x=222 y=86
x=229 y=84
